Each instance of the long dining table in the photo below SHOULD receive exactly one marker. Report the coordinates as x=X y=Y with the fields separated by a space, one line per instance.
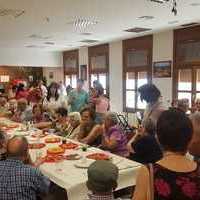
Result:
x=71 y=174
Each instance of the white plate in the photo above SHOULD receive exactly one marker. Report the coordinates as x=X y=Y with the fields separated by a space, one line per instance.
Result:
x=83 y=163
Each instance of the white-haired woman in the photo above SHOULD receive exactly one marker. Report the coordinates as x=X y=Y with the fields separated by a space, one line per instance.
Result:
x=114 y=139
x=74 y=125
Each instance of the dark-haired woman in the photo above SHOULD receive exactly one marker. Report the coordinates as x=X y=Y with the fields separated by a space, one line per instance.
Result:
x=145 y=149
x=90 y=133
x=151 y=95
x=53 y=102
x=174 y=176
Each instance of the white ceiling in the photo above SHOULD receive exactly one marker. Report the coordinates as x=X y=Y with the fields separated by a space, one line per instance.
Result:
x=52 y=19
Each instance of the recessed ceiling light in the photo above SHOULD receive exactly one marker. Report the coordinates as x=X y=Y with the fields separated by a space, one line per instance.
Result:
x=86 y=34
x=89 y=41
x=137 y=30
x=40 y=37
x=49 y=43
x=195 y=4
x=173 y=22
x=35 y=46
x=146 y=17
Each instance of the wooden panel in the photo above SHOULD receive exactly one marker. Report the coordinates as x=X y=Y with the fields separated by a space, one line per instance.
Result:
x=15 y=72
x=184 y=36
x=71 y=62
x=140 y=44
x=95 y=51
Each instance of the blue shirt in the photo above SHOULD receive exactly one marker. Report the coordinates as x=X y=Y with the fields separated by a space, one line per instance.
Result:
x=21 y=182
x=77 y=100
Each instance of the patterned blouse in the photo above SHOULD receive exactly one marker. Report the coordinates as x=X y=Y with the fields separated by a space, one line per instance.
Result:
x=170 y=185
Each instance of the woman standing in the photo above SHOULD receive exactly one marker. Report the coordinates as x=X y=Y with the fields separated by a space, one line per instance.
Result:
x=151 y=94
x=101 y=105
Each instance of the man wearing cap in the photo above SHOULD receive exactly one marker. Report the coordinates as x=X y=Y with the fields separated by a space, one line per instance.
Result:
x=102 y=180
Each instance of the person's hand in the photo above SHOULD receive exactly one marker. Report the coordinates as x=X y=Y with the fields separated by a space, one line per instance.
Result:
x=39 y=162
x=129 y=148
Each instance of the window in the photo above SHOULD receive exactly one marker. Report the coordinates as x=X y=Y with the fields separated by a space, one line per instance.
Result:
x=71 y=80
x=70 y=60
x=186 y=75
x=4 y=78
x=101 y=77
x=136 y=70
x=99 y=66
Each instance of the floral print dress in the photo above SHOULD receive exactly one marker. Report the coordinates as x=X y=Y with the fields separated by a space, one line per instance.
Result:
x=170 y=185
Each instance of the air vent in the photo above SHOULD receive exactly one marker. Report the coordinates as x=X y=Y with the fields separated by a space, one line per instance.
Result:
x=89 y=41
x=138 y=30
x=11 y=12
x=49 y=43
x=146 y=17
x=39 y=37
x=83 y=22
x=190 y=24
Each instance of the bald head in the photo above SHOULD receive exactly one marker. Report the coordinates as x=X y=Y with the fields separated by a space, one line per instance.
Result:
x=17 y=147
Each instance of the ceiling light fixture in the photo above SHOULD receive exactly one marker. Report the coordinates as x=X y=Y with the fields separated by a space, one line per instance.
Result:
x=174 y=4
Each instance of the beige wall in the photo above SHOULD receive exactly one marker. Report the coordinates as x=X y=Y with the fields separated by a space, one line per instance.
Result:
x=163 y=51
x=57 y=74
x=30 y=57
x=115 y=83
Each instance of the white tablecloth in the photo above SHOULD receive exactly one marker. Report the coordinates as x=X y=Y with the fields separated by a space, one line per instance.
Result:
x=73 y=179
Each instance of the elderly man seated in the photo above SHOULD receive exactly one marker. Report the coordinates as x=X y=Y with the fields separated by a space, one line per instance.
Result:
x=113 y=138
x=18 y=179
x=102 y=180
x=23 y=113
x=2 y=145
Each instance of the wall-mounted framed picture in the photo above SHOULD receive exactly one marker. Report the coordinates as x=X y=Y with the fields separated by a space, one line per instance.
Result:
x=162 y=69
x=83 y=71
x=50 y=75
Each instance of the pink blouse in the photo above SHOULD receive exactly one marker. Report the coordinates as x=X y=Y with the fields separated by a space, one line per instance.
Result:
x=102 y=105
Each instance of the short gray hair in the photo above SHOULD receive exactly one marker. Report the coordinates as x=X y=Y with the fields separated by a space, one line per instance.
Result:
x=113 y=117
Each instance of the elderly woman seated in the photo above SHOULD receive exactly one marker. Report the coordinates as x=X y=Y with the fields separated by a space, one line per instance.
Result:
x=114 y=139
x=90 y=133
x=40 y=117
x=23 y=113
x=3 y=141
x=61 y=123
x=73 y=128
x=3 y=107
x=145 y=148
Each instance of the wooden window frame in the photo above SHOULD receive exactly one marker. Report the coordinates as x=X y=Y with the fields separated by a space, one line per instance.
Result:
x=71 y=71
x=98 y=51
x=140 y=43
x=181 y=36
